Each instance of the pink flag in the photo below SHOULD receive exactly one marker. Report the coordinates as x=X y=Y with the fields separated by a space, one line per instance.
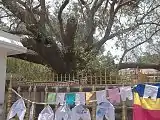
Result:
x=114 y=95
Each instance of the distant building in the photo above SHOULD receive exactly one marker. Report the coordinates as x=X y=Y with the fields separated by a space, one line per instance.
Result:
x=140 y=75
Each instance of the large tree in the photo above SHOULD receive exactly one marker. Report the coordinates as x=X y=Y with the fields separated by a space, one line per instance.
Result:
x=151 y=54
x=64 y=35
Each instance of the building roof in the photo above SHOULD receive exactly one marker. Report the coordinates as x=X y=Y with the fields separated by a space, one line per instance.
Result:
x=139 y=66
x=11 y=43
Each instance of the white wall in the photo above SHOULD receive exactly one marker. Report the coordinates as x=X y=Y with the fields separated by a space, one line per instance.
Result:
x=3 y=57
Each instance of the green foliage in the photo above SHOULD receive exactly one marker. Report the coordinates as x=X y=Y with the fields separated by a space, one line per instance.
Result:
x=35 y=72
x=27 y=70
x=149 y=58
x=152 y=54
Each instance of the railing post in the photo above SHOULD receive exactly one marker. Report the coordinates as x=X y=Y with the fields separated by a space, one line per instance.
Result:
x=68 y=89
x=105 y=76
x=9 y=96
x=34 y=99
x=124 y=111
x=46 y=93
x=100 y=77
x=93 y=105
x=28 y=103
x=57 y=89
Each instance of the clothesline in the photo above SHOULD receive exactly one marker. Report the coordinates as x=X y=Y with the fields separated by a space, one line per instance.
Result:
x=40 y=103
x=43 y=103
x=104 y=109
x=151 y=103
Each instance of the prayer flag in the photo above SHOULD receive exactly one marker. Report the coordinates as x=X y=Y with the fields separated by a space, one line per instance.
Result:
x=46 y=114
x=51 y=98
x=18 y=108
x=70 y=98
x=145 y=108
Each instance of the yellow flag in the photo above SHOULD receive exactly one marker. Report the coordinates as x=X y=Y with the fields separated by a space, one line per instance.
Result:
x=89 y=97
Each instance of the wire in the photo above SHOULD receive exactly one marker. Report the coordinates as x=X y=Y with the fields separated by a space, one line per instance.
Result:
x=43 y=103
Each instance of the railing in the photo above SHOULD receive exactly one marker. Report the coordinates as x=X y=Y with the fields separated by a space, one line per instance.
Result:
x=34 y=93
x=84 y=81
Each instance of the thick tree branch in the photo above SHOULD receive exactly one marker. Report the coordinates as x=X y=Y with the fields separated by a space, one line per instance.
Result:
x=30 y=57
x=148 y=12
x=109 y=26
x=36 y=7
x=50 y=52
x=23 y=3
x=30 y=15
x=144 y=40
x=18 y=11
x=123 y=31
x=60 y=18
x=43 y=14
x=69 y=55
x=51 y=55
x=133 y=47
x=130 y=28
x=5 y=16
x=111 y=21
x=107 y=35
x=123 y=55
x=90 y=23
x=29 y=43
x=96 y=5
x=106 y=5
x=83 y=2
x=19 y=32
x=121 y=4
x=15 y=9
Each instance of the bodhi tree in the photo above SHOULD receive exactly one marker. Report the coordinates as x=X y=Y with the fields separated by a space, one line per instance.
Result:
x=66 y=35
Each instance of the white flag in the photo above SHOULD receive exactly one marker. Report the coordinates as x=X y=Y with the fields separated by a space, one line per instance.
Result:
x=60 y=98
x=46 y=114
x=63 y=113
x=150 y=91
x=80 y=98
x=18 y=108
x=101 y=96
x=31 y=112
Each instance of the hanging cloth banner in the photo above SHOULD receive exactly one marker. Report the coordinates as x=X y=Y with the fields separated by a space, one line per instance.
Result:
x=90 y=96
x=105 y=109
x=114 y=95
x=126 y=92
x=46 y=114
x=101 y=96
x=51 y=98
x=63 y=113
x=60 y=98
x=70 y=98
x=31 y=112
x=80 y=112
x=150 y=91
x=80 y=98
x=146 y=108
x=18 y=108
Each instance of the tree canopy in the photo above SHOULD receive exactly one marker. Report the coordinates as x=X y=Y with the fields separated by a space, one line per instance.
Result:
x=67 y=35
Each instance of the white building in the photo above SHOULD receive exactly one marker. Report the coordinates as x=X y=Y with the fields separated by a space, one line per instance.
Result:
x=9 y=45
